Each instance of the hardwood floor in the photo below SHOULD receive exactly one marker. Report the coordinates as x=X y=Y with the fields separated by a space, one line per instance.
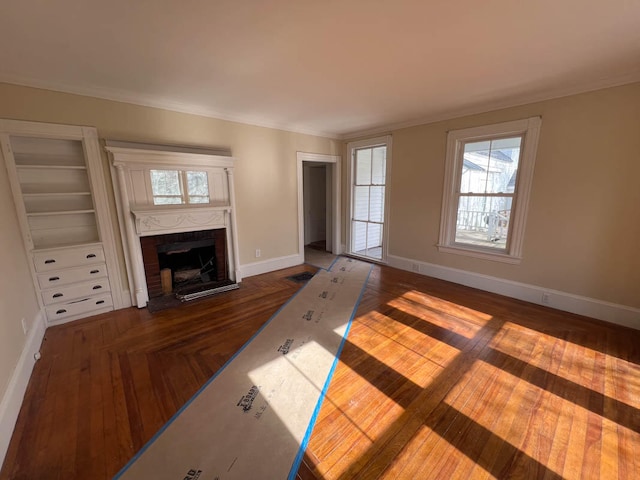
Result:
x=435 y=381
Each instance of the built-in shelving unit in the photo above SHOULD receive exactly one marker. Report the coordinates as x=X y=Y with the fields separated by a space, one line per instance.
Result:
x=54 y=184
x=57 y=181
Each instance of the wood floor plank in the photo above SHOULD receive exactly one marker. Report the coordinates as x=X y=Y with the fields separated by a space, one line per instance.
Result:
x=436 y=380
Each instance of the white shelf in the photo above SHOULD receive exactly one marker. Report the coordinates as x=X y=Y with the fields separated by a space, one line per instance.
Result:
x=54 y=194
x=50 y=167
x=50 y=189
x=58 y=247
x=47 y=151
x=63 y=237
x=58 y=212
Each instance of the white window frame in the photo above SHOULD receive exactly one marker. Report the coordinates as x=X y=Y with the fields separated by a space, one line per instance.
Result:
x=351 y=148
x=529 y=129
x=184 y=196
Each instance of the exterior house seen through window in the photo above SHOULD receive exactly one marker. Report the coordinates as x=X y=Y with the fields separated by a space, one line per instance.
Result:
x=488 y=178
x=175 y=187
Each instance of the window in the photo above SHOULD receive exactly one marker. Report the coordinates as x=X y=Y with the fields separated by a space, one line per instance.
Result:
x=169 y=187
x=488 y=177
x=368 y=169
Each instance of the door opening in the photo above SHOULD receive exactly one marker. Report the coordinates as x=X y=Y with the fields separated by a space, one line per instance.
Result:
x=318 y=203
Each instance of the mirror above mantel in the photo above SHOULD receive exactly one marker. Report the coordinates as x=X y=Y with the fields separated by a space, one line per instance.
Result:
x=168 y=189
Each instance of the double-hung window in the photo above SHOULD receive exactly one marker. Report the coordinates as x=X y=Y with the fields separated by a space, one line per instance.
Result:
x=488 y=177
x=369 y=167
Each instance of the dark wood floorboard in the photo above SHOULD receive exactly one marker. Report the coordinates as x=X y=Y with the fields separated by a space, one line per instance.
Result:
x=436 y=380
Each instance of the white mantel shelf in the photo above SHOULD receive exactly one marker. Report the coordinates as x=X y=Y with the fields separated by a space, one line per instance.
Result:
x=176 y=219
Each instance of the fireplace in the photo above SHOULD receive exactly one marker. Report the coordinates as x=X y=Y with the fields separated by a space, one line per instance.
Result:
x=182 y=240
x=188 y=265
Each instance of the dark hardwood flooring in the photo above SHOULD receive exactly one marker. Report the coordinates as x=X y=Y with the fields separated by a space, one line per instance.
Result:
x=435 y=381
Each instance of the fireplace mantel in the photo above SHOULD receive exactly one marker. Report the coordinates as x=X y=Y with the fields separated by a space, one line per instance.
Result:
x=156 y=221
x=138 y=216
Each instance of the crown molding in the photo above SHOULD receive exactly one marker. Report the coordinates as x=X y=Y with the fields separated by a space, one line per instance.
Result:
x=161 y=103
x=486 y=107
x=384 y=129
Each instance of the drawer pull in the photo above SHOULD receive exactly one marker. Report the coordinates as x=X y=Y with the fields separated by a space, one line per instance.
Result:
x=57 y=295
x=80 y=300
x=94 y=271
x=62 y=310
x=97 y=287
x=53 y=279
x=51 y=260
x=91 y=255
x=99 y=302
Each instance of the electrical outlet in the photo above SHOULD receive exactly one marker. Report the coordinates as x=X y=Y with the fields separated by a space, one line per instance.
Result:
x=415 y=267
x=25 y=329
x=258 y=253
x=546 y=298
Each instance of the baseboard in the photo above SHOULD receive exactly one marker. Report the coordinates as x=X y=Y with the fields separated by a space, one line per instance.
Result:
x=13 y=397
x=568 y=302
x=266 y=266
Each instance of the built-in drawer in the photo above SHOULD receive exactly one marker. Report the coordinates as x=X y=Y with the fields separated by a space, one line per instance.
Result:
x=71 y=275
x=77 y=290
x=78 y=307
x=46 y=261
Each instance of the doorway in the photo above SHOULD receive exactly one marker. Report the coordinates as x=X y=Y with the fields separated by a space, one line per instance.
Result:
x=318 y=203
x=317 y=212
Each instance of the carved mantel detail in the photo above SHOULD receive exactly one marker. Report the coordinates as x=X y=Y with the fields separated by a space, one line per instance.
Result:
x=159 y=221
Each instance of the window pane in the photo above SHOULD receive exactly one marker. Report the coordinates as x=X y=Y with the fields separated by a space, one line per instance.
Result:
x=374 y=240
x=378 y=165
x=359 y=238
x=483 y=221
x=197 y=183
x=361 y=203
x=167 y=200
x=490 y=166
x=165 y=182
x=199 y=199
x=376 y=204
x=363 y=166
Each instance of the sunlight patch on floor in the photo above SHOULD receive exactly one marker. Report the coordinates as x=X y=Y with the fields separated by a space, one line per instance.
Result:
x=407 y=363
x=505 y=405
x=445 y=306
x=457 y=319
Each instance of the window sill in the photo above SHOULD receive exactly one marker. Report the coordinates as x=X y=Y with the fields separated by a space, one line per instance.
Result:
x=483 y=254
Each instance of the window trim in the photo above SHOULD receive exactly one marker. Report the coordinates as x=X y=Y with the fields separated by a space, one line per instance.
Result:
x=351 y=148
x=529 y=129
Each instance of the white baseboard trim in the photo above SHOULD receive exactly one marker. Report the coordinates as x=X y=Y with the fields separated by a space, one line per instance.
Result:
x=14 y=395
x=568 y=302
x=266 y=266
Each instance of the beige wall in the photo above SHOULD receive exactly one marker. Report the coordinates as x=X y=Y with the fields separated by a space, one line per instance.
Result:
x=17 y=297
x=583 y=227
x=265 y=177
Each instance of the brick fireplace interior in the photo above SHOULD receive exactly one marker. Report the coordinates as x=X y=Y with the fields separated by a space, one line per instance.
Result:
x=180 y=264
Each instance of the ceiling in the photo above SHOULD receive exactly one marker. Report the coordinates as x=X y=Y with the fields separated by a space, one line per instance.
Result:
x=334 y=68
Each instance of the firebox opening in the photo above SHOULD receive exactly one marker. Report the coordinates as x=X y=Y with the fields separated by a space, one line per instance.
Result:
x=185 y=265
x=188 y=262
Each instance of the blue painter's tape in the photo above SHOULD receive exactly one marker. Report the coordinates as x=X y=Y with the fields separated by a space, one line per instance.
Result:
x=312 y=422
x=173 y=418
